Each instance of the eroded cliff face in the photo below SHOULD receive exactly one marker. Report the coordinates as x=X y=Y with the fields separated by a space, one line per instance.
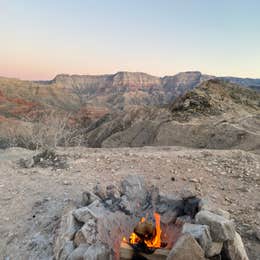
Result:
x=136 y=109
x=215 y=115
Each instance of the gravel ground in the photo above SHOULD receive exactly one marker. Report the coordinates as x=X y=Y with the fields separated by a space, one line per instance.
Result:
x=32 y=200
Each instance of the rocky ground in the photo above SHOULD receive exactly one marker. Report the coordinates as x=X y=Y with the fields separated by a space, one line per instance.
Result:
x=33 y=199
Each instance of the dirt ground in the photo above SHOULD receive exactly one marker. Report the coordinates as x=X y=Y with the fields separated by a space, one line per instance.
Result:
x=32 y=200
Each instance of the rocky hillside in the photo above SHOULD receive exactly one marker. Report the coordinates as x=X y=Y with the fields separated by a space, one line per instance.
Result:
x=247 y=82
x=215 y=115
x=113 y=92
x=132 y=109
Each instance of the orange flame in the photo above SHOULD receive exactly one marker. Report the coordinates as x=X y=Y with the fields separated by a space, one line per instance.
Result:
x=155 y=242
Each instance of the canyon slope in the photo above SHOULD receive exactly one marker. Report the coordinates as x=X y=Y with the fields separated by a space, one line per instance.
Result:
x=136 y=109
x=215 y=115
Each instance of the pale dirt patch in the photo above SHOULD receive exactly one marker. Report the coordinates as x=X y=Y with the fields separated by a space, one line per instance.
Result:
x=32 y=200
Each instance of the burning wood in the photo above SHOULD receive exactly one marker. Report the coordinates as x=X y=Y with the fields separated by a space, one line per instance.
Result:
x=128 y=253
x=146 y=236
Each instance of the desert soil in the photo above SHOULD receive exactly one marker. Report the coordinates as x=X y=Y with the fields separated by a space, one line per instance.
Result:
x=32 y=200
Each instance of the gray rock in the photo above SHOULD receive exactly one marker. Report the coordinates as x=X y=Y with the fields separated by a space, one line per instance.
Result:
x=235 y=250
x=97 y=252
x=112 y=192
x=181 y=220
x=97 y=209
x=125 y=205
x=27 y=163
x=78 y=253
x=133 y=186
x=67 y=249
x=186 y=248
x=66 y=231
x=134 y=193
x=215 y=249
x=94 y=210
x=257 y=233
x=205 y=204
x=169 y=217
x=100 y=191
x=200 y=233
x=88 y=198
x=168 y=201
x=79 y=238
x=188 y=193
x=82 y=214
x=87 y=234
x=221 y=229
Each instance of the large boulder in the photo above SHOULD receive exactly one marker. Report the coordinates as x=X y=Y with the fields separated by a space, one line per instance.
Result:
x=186 y=248
x=133 y=186
x=134 y=192
x=200 y=233
x=235 y=250
x=221 y=229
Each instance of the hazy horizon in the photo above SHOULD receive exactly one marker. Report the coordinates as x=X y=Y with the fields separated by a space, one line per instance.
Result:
x=42 y=39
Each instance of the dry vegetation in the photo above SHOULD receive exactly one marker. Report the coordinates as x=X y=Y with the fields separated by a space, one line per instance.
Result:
x=48 y=131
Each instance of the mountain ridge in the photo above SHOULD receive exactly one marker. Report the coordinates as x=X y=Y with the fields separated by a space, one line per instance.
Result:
x=107 y=106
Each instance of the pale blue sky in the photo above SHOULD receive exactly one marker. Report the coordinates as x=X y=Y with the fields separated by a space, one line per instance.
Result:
x=41 y=38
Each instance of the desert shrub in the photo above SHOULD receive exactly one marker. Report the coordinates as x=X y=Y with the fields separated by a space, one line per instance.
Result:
x=49 y=130
x=44 y=159
x=54 y=129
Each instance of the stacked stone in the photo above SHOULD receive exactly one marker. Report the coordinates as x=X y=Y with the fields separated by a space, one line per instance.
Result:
x=90 y=232
x=211 y=236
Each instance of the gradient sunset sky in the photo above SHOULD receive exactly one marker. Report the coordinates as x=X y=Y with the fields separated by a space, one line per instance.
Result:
x=42 y=38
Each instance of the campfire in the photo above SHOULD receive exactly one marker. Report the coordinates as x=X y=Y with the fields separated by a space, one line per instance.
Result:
x=147 y=234
x=138 y=222
x=146 y=237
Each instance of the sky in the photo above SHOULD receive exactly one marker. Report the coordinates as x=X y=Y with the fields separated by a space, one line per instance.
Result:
x=42 y=38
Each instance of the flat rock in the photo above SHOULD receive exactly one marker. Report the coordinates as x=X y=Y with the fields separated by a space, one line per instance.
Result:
x=221 y=229
x=200 y=233
x=82 y=214
x=186 y=248
x=235 y=250
x=94 y=210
